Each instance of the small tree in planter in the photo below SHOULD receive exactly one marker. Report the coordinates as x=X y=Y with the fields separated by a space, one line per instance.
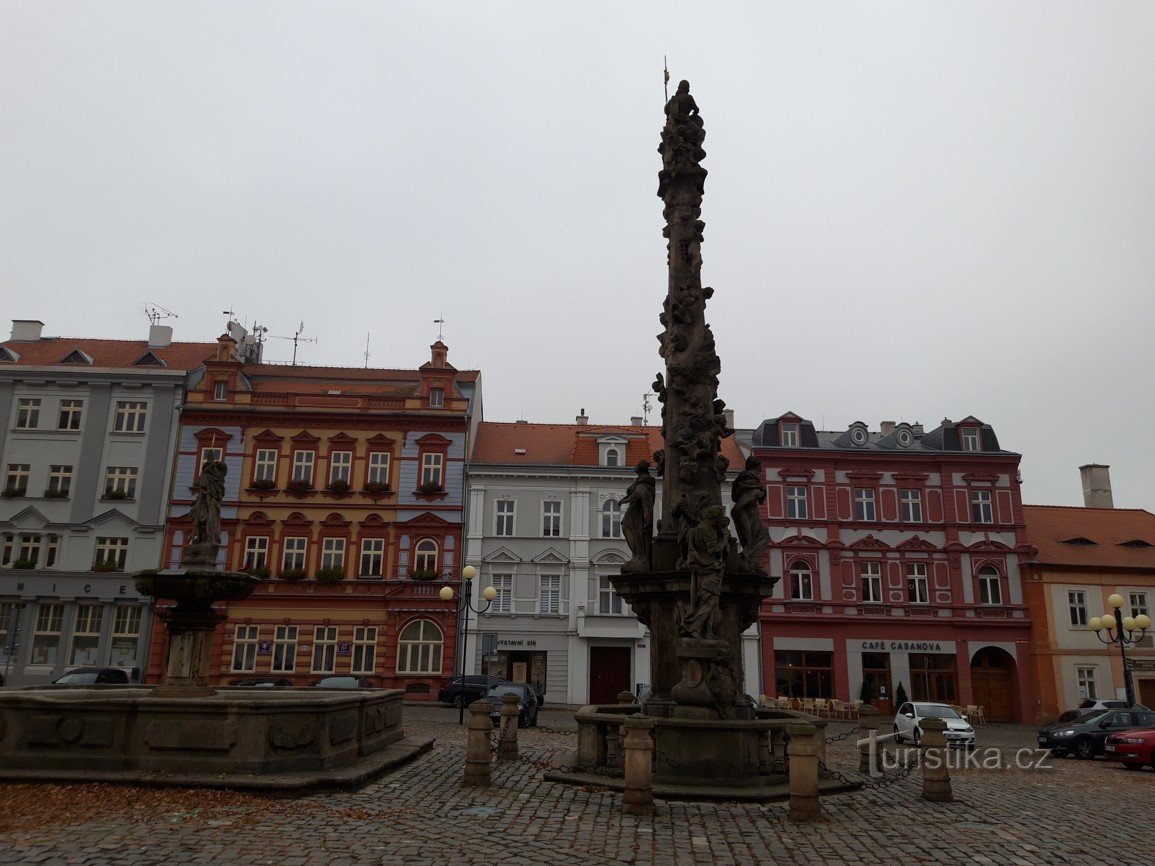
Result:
x=900 y=695
x=299 y=487
x=864 y=693
x=293 y=574
x=330 y=575
x=338 y=486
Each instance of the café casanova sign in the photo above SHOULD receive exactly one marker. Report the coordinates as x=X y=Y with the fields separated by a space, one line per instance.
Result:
x=903 y=646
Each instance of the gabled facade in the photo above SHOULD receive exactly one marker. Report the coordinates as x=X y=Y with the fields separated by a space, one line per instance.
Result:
x=344 y=490
x=545 y=531
x=89 y=428
x=1085 y=555
x=899 y=552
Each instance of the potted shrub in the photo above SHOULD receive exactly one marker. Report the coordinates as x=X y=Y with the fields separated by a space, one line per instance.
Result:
x=900 y=697
x=431 y=487
x=376 y=488
x=11 y=492
x=53 y=493
x=115 y=494
x=261 y=571
x=263 y=484
x=424 y=574
x=293 y=574
x=299 y=486
x=338 y=486
x=102 y=565
x=864 y=693
x=330 y=575
x=24 y=563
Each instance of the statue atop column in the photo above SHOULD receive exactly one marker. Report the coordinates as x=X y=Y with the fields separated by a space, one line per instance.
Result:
x=638 y=522
x=748 y=493
x=205 y=514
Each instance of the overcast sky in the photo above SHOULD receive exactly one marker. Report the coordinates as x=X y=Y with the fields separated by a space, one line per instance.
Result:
x=914 y=210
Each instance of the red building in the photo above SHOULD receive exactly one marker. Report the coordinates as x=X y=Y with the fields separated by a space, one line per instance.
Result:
x=899 y=552
x=345 y=491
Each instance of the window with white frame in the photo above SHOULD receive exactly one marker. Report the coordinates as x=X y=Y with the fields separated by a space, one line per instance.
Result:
x=125 y=648
x=111 y=553
x=324 y=649
x=210 y=454
x=425 y=557
x=245 y=641
x=303 y=462
x=265 y=465
x=120 y=482
x=16 y=481
x=981 y=511
x=503 y=601
x=432 y=470
x=341 y=467
x=27 y=413
x=1138 y=603
x=86 y=634
x=419 y=648
x=7 y=624
x=549 y=593
x=372 y=557
x=220 y=390
x=1077 y=607
x=611 y=519
x=51 y=549
x=551 y=519
x=788 y=435
x=59 y=479
x=911 y=502
x=364 y=659
x=7 y=549
x=29 y=548
x=609 y=602
x=1085 y=681
x=71 y=412
x=970 y=439
x=256 y=552
x=46 y=633
x=990 y=586
x=864 y=503
x=284 y=649
x=917 y=585
x=613 y=457
x=503 y=513
x=436 y=398
x=130 y=416
x=870 y=577
x=333 y=553
x=378 y=472
x=293 y=558
x=801 y=582
x=796 y=501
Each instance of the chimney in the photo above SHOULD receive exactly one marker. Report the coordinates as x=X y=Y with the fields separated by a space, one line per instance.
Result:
x=1096 y=486
x=440 y=352
x=886 y=427
x=26 y=330
x=582 y=419
x=159 y=336
x=729 y=415
x=917 y=430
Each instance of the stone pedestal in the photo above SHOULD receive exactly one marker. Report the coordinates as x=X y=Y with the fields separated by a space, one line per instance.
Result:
x=803 y=758
x=935 y=768
x=638 y=797
x=478 y=758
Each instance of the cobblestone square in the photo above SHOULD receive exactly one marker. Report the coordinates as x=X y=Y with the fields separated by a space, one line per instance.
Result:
x=1062 y=811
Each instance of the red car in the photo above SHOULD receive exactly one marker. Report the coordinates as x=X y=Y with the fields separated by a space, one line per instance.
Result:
x=1133 y=749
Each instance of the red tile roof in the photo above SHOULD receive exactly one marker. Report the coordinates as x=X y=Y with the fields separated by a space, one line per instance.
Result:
x=570 y=444
x=352 y=374
x=51 y=351
x=1052 y=528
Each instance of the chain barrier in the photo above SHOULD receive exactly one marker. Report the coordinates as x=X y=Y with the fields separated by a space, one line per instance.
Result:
x=839 y=737
x=905 y=768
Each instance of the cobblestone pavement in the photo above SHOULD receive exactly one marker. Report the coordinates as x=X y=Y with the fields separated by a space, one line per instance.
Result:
x=1063 y=812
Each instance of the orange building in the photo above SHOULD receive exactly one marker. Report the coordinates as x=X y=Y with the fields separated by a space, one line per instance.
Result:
x=344 y=491
x=1084 y=556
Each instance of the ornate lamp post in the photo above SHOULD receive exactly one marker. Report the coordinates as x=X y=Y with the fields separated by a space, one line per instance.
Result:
x=465 y=606
x=1124 y=631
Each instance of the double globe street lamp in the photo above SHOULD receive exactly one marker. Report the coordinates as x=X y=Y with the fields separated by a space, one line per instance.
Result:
x=465 y=606
x=1111 y=628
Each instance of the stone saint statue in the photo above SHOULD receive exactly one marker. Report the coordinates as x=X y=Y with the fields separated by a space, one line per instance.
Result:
x=748 y=493
x=638 y=522
x=707 y=542
x=205 y=514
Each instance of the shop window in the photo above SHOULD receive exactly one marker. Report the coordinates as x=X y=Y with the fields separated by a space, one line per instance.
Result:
x=934 y=677
x=86 y=634
x=126 y=624
x=46 y=634
x=804 y=674
x=419 y=648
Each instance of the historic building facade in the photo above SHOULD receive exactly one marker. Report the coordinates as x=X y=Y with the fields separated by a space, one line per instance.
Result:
x=86 y=446
x=344 y=490
x=1084 y=556
x=544 y=529
x=900 y=556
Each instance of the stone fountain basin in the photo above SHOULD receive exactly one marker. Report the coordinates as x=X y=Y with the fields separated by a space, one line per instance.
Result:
x=282 y=739
x=195 y=588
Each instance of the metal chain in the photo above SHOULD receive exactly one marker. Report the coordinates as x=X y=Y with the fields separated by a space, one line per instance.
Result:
x=906 y=767
x=838 y=737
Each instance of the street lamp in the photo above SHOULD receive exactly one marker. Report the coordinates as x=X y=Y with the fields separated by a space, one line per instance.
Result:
x=1123 y=630
x=464 y=606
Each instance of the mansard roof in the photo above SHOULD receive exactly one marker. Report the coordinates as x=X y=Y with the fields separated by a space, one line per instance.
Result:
x=904 y=438
x=56 y=351
x=1092 y=537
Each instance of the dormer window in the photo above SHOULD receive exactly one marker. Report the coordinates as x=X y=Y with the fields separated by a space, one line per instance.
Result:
x=858 y=434
x=1135 y=542
x=970 y=439
x=613 y=457
x=436 y=398
x=788 y=435
x=611 y=451
x=904 y=436
x=220 y=390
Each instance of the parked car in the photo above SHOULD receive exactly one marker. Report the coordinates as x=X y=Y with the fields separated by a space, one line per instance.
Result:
x=1089 y=704
x=342 y=682
x=475 y=687
x=1133 y=749
x=262 y=682
x=1086 y=736
x=93 y=677
x=526 y=703
x=908 y=723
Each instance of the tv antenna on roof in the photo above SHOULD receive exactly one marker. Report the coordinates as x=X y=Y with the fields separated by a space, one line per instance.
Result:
x=439 y=323
x=156 y=312
x=296 y=338
x=646 y=407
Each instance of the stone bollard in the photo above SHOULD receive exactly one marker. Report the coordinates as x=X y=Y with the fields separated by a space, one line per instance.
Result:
x=803 y=764
x=867 y=725
x=478 y=757
x=507 y=740
x=935 y=768
x=638 y=798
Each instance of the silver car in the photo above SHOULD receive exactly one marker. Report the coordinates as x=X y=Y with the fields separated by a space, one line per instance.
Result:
x=908 y=723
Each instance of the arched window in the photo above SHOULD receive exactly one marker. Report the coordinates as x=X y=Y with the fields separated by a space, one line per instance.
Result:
x=611 y=519
x=425 y=556
x=613 y=458
x=801 y=582
x=990 y=586
x=419 y=648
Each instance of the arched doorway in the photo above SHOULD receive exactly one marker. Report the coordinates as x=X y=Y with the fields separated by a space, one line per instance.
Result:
x=993 y=683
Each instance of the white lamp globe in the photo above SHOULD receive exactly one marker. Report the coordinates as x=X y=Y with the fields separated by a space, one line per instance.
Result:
x=1129 y=623
x=489 y=593
x=1108 y=621
x=1142 y=622
x=1096 y=623
x=1115 y=600
x=446 y=594
x=469 y=572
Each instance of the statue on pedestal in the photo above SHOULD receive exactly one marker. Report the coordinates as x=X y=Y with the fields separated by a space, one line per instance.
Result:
x=748 y=493
x=205 y=514
x=638 y=522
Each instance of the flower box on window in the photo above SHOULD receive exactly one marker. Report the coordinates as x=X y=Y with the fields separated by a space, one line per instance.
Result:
x=24 y=563
x=330 y=575
x=105 y=566
x=299 y=487
x=424 y=574
x=55 y=494
x=260 y=571
x=430 y=487
x=115 y=494
x=263 y=484
x=338 y=486
x=12 y=492
x=293 y=574
x=376 y=488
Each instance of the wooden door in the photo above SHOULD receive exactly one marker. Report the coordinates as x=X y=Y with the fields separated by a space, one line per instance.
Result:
x=609 y=673
x=993 y=686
